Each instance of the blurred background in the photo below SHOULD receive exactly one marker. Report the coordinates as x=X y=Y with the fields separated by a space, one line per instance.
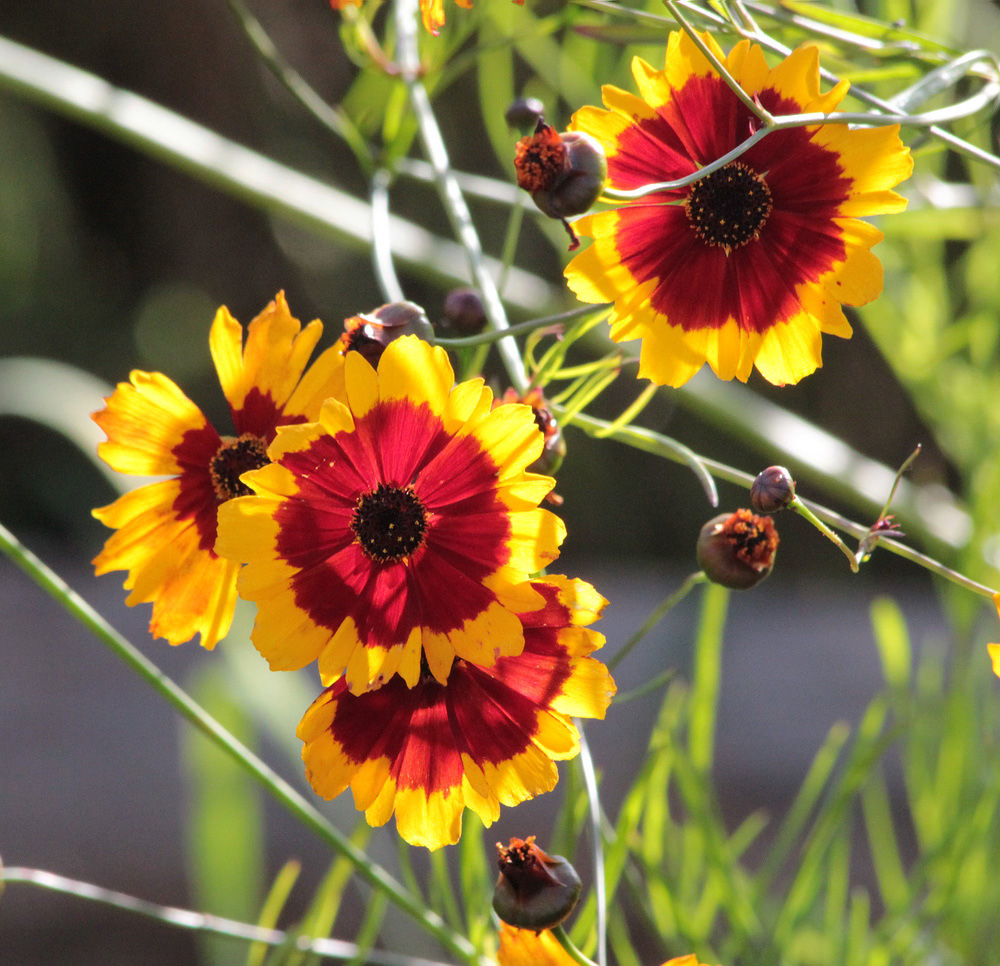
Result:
x=111 y=260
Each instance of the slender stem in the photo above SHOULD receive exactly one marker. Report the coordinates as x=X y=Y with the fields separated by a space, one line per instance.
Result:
x=748 y=102
x=907 y=463
x=246 y=175
x=333 y=118
x=571 y=949
x=373 y=874
x=385 y=271
x=522 y=328
x=657 y=614
x=407 y=19
x=206 y=922
x=651 y=442
x=803 y=511
x=597 y=844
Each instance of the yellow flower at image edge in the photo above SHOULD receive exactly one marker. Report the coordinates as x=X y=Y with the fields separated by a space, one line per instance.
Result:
x=524 y=947
x=994 y=649
x=749 y=265
x=489 y=737
x=398 y=532
x=166 y=531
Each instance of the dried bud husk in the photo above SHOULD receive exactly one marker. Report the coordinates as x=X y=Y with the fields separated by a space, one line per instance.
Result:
x=524 y=113
x=463 y=311
x=371 y=332
x=555 y=446
x=534 y=890
x=772 y=490
x=564 y=173
x=737 y=549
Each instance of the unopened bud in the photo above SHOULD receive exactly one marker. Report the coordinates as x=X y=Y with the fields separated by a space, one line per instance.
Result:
x=772 y=490
x=737 y=549
x=564 y=173
x=524 y=113
x=534 y=890
x=371 y=332
x=463 y=311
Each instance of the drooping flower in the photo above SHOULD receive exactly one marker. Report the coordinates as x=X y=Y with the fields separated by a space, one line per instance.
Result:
x=525 y=947
x=737 y=549
x=750 y=264
x=397 y=531
x=489 y=737
x=166 y=531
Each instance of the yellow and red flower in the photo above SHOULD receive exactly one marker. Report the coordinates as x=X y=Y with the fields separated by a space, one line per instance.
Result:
x=525 y=947
x=994 y=649
x=749 y=265
x=398 y=531
x=489 y=737
x=166 y=531
x=432 y=11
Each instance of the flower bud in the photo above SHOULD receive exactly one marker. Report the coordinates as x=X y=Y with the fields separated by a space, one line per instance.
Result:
x=772 y=490
x=737 y=549
x=371 y=332
x=555 y=446
x=534 y=890
x=565 y=173
x=524 y=113
x=463 y=311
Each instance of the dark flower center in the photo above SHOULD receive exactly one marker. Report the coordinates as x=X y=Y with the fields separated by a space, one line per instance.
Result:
x=540 y=159
x=233 y=458
x=730 y=206
x=389 y=523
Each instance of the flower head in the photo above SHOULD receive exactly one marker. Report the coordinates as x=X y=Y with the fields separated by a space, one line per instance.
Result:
x=398 y=531
x=166 y=531
x=746 y=266
x=994 y=649
x=489 y=737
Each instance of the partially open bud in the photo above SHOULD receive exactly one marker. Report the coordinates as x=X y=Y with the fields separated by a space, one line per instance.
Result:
x=737 y=549
x=524 y=113
x=564 y=173
x=555 y=446
x=534 y=890
x=371 y=332
x=773 y=490
x=463 y=311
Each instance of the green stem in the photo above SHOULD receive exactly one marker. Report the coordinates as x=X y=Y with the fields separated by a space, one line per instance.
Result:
x=522 y=328
x=203 y=921
x=563 y=937
x=407 y=20
x=707 y=676
x=657 y=614
x=334 y=119
x=373 y=874
x=803 y=511
x=385 y=271
x=734 y=85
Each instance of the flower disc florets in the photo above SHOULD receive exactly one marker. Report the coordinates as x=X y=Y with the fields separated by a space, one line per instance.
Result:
x=737 y=549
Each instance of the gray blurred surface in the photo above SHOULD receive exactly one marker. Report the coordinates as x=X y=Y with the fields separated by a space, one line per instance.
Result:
x=91 y=787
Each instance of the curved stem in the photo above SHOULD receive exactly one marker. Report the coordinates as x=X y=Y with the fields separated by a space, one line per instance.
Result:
x=522 y=328
x=206 y=922
x=376 y=876
x=407 y=19
x=597 y=844
x=385 y=271
x=571 y=949
x=803 y=511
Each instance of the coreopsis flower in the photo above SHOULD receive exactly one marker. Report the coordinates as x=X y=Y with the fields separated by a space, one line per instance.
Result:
x=397 y=532
x=432 y=11
x=749 y=265
x=489 y=737
x=525 y=947
x=166 y=530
